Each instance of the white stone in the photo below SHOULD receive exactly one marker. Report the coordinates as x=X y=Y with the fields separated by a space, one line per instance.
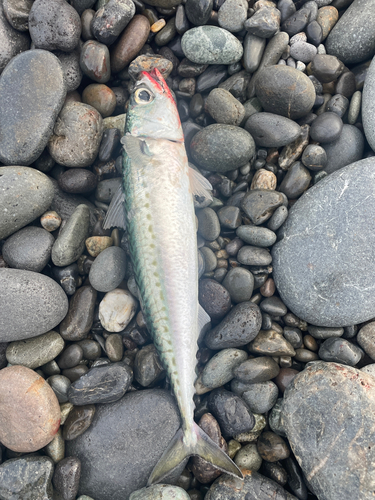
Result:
x=117 y=309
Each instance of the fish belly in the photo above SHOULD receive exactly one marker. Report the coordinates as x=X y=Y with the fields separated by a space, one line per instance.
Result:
x=162 y=240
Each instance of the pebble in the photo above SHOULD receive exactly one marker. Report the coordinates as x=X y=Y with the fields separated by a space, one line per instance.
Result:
x=296 y=181
x=272 y=447
x=108 y=269
x=70 y=243
x=355 y=107
x=146 y=421
x=271 y=130
x=224 y=108
x=28 y=249
x=340 y=351
x=30 y=415
x=348 y=148
x=97 y=244
x=13 y=41
x=214 y=298
x=198 y=12
x=211 y=45
x=365 y=339
x=326 y=68
x=32 y=92
x=147 y=366
x=26 y=477
x=254 y=256
x=111 y=19
x=229 y=217
x=78 y=322
x=95 y=61
x=77 y=181
x=71 y=68
x=60 y=385
x=56 y=448
x=232 y=14
x=253 y=51
x=77 y=134
x=259 y=204
x=330 y=399
x=264 y=179
x=271 y=343
x=71 y=356
x=314 y=157
x=258 y=236
x=265 y=22
x=285 y=91
x=261 y=397
x=23 y=203
x=240 y=284
x=42 y=301
x=326 y=128
x=368 y=106
x=238 y=419
x=36 y=351
x=160 y=491
x=220 y=148
x=248 y=458
x=335 y=297
x=54 y=25
x=208 y=224
x=78 y=421
x=255 y=370
x=117 y=309
x=352 y=38
x=219 y=369
x=100 y=97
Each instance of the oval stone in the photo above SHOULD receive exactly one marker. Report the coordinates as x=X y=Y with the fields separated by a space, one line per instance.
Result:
x=347 y=149
x=35 y=352
x=285 y=91
x=368 y=105
x=330 y=229
x=31 y=304
x=220 y=148
x=211 y=45
x=29 y=410
x=32 y=92
x=331 y=400
x=108 y=269
x=272 y=131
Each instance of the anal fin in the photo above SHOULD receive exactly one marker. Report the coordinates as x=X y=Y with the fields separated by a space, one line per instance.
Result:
x=199 y=185
x=116 y=212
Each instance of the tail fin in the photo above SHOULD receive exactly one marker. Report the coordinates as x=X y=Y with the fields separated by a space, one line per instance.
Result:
x=202 y=446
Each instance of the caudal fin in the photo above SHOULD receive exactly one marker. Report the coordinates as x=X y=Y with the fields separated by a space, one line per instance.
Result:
x=182 y=447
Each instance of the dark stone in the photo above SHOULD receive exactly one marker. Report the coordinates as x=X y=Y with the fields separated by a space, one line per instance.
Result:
x=220 y=148
x=75 y=372
x=314 y=33
x=326 y=68
x=67 y=277
x=12 y=41
x=95 y=62
x=254 y=486
x=259 y=204
x=340 y=351
x=78 y=181
x=32 y=90
x=240 y=284
x=275 y=472
x=272 y=447
x=78 y=322
x=26 y=478
x=286 y=8
x=211 y=77
x=296 y=181
x=257 y=370
x=17 y=13
x=338 y=104
x=214 y=298
x=271 y=343
x=182 y=23
x=352 y=39
x=346 y=84
x=108 y=269
x=293 y=336
x=347 y=149
x=167 y=34
x=103 y=384
x=147 y=366
x=3 y=358
x=78 y=421
x=109 y=145
x=285 y=91
x=253 y=51
x=265 y=22
x=66 y=477
x=231 y=412
x=141 y=421
x=273 y=306
x=331 y=400
x=238 y=328
x=254 y=256
x=70 y=357
x=314 y=157
x=272 y=131
x=325 y=220
x=42 y=301
x=260 y=397
x=111 y=19
x=198 y=11
x=54 y=25
x=28 y=249
x=296 y=23
x=326 y=127
x=71 y=68
x=295 y=478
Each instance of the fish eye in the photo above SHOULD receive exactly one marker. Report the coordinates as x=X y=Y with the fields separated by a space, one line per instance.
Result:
x=143 y=96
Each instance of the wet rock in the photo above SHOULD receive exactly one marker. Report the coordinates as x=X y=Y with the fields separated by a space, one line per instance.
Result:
x=54 y=25
x=111 y=19
x=28 y=249
x=72 y=71
x=26 y=477
x=76 y=136
x=42 y=301
x=214 y=298
x=146 y=421
x=334 y=295
x=30 y=412
x=272 y=447
x=208 y=224
x=258 y=236
x=326 y=68
x=232 y=15
x=296 y=181
x=32 y=92
x=95 y=61
x=100 y=97
x=77 y=181
x=319 y=398
x=272 y=131
x=340 y=351
x=368 y=106
x=326 y=127
x=366 y=339
x=35 y=352
x=219 y=369
x=77 y=323
x=78 y=421
x=271 y=343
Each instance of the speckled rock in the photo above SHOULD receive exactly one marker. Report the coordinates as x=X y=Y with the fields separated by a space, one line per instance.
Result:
x=325 y=219
x=36 y=351
x=32 y=92
x=13 y=42
x=332 y=400
x=352 y=39
x=76 y=136
x=42 y=301
x=211 y=45
x=111 y=19
x=143 y=421
x=160 y=491
x=29 y=410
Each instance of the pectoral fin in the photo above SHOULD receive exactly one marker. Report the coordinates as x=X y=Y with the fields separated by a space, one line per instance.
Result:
x=137 y=150
x=199 y=185
x=116 y=212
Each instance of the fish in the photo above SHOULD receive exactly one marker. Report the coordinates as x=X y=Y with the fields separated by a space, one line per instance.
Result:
x=156 y=205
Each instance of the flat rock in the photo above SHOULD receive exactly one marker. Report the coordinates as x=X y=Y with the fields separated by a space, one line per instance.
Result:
x=368 y=105
x=142 y=422
x=211 y=45
x=352 y=39
x=29 y=411
x=25 y=194
x=26 y=478
x=328 y=416
x=31 y=304
x=330 y=228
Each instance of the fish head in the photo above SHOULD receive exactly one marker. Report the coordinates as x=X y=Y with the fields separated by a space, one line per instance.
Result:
x=152 y=111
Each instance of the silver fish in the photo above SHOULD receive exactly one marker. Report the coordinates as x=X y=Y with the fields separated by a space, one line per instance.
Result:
x=158 y=187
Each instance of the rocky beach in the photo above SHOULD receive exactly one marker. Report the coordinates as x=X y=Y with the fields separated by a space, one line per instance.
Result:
x=277 y=105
